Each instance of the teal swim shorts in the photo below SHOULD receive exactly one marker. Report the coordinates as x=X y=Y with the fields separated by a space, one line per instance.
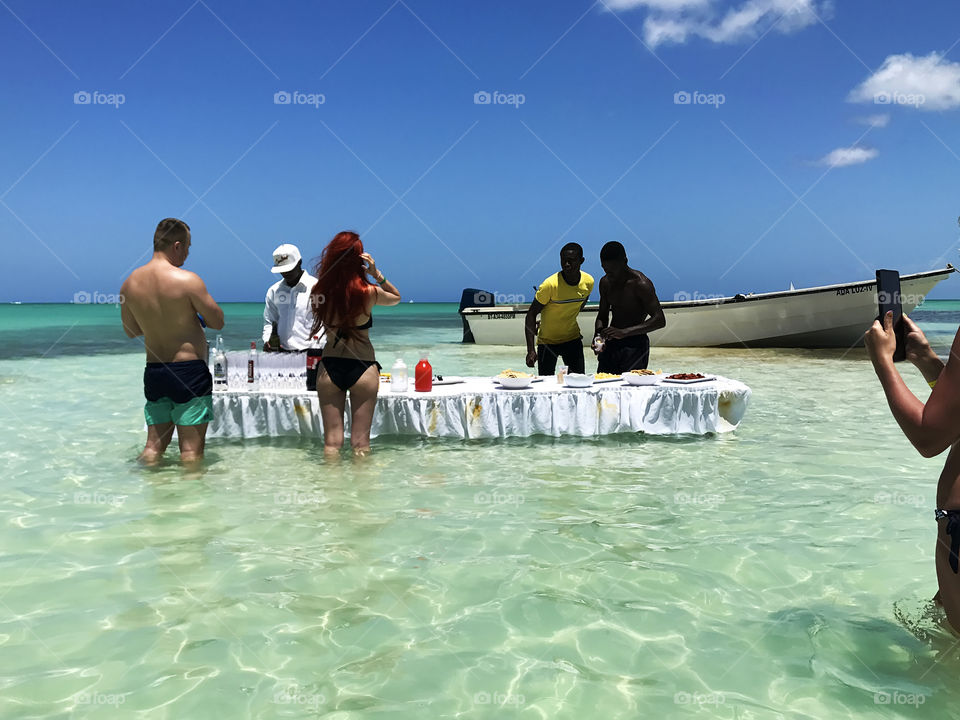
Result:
x=178 y=392
x=196 y=411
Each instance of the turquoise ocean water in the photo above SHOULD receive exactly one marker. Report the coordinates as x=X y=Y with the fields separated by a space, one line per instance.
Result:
x=781 y=571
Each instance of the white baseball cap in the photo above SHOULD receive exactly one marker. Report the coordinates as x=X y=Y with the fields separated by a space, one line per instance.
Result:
x=285 y=258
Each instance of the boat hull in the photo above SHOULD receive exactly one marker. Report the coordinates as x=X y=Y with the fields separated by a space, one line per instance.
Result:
x=823 y=317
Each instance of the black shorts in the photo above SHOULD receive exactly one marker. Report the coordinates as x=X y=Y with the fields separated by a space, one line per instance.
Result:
x=620 y=356
x=179 y=381
x=571 y=352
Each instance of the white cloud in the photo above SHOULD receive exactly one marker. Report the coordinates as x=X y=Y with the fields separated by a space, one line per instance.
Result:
x=844 y=157
x=880 y=121
x=926 y=83
x=675 y=21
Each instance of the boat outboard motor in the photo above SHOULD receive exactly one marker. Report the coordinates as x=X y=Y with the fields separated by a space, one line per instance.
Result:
x=472 y=297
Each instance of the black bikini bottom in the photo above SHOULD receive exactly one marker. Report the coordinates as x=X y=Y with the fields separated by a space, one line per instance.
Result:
x=344 y=372
x=953 y=530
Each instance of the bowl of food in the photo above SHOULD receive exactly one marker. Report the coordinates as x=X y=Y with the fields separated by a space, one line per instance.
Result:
x=643 y=377
x=514 y=380
x=578 y=380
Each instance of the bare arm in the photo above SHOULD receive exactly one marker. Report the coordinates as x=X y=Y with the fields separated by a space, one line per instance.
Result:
x=130 y=325
x=930 y=428
x=919 y=352
x=530 y=324
x=204 y=304
x=603 y=313
x=385 y=292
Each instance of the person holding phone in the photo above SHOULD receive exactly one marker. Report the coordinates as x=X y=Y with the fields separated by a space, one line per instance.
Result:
x=931 y=428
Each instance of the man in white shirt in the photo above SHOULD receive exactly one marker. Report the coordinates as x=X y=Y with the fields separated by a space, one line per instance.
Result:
x=287 y=304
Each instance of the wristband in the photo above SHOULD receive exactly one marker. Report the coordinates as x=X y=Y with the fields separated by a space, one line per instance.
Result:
x=932 y=384
x=382 y=280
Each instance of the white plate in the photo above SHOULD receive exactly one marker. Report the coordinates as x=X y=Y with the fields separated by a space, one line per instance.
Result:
x=634 y=379
x=448 y=380
x=577 y=380
x=514 y=383
x=706 y=378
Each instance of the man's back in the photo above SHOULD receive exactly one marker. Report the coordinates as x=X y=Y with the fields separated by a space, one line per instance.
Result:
x=160 y=298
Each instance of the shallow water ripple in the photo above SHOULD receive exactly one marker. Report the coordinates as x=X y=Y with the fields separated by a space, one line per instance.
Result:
x=778 y=572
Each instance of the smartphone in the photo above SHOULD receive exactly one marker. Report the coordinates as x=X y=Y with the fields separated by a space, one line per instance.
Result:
x=888 y=298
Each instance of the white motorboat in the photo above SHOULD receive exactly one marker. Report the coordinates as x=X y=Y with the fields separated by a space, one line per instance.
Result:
x=818 y=317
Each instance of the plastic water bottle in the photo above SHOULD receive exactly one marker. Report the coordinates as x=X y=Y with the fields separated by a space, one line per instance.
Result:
x=252 y=367
x=423 y=375
x=398 y=376
x=219 y=366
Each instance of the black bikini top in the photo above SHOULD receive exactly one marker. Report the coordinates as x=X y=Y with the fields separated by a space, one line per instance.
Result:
x=366 y=326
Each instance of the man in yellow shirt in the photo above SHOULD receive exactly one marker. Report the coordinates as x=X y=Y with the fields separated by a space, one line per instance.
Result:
x=558 y=301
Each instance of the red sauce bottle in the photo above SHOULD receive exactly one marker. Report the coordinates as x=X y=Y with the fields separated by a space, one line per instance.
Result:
x=423 y=376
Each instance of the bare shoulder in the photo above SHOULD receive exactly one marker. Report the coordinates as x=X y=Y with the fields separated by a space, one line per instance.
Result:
x=641 y=281
x=190 y=279
x=134 y=278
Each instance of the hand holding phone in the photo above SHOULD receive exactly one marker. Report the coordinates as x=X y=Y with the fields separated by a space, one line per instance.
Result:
x=888 y=300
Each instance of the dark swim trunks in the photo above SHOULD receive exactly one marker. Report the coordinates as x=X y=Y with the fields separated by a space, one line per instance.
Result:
x=571 y=352
x=344 y=372
x=620 y=356
x=953 y=530
x=178 y=392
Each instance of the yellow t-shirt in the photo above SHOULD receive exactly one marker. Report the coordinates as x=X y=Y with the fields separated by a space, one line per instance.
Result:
x=561 y=305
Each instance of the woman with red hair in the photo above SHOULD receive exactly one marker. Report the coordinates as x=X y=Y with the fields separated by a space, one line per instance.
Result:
x=343 y=301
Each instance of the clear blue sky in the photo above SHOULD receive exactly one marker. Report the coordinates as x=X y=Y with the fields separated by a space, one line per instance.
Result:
x=703 y=197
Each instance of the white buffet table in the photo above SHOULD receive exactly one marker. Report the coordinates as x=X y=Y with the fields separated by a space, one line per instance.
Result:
x=479 y=408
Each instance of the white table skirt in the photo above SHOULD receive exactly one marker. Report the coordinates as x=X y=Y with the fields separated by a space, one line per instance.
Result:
x=477 y=408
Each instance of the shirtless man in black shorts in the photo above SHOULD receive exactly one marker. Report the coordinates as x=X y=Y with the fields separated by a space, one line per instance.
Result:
x=636 y=312
x=161 y=303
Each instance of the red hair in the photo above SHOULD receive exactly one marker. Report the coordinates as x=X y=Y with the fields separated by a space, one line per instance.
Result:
x=342 y=290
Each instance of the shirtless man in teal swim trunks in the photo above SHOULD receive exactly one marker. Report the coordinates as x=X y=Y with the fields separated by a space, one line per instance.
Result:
x=161 y=302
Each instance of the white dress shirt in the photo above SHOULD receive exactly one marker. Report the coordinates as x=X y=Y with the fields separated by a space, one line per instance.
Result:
x=289 y=308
